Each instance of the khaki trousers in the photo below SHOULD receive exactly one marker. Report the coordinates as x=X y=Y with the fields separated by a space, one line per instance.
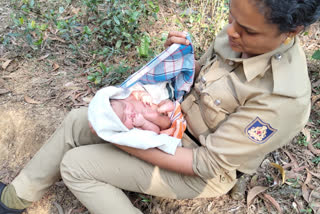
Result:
x=96 y=171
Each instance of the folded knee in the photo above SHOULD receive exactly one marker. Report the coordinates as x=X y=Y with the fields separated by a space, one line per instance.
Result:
x=71 y=168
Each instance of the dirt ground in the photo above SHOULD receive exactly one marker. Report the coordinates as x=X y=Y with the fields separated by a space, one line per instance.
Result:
x=35 y=96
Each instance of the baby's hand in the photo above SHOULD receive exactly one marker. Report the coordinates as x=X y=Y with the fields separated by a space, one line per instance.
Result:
x=166 y=106
x=146 y=99
x=138 y=120
x=143 y=96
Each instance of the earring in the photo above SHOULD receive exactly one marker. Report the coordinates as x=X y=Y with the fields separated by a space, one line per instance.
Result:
x=288 y=40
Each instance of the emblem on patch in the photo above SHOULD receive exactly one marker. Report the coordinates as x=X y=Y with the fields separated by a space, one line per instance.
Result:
x=259 y=131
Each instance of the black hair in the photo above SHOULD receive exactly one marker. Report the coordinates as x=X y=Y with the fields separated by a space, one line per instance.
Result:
x=289 y=14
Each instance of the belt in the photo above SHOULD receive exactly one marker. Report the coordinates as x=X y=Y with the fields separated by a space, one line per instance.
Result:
x=239 y=174
x=192 y=137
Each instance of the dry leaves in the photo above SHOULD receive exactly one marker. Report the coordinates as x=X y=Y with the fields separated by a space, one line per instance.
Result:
x=6 y=64
x=43 y=57
x=254 y=192
x=306 y=132
x=273 y=202
x=55 y=66
x=30 y=100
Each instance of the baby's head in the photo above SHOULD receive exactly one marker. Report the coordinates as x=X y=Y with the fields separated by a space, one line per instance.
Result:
x=124 y=110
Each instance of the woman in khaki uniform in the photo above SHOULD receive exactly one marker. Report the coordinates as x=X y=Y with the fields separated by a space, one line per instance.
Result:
x=251 y=96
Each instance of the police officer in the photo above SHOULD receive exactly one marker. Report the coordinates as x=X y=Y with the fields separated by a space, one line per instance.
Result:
x=251 y=96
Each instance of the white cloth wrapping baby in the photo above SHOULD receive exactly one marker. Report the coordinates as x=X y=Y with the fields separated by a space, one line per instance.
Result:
x=109 y=127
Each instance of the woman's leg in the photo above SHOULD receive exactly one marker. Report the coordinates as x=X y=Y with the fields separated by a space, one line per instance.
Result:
x=44 y=168
x=97 y=173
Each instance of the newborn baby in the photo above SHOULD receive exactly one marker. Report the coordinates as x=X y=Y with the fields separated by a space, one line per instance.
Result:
x=138 y=111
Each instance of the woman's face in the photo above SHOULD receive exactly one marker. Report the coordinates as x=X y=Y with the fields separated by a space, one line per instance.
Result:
x=248 y=30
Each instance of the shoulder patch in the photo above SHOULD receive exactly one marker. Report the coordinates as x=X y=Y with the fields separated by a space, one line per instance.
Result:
x=259 y=131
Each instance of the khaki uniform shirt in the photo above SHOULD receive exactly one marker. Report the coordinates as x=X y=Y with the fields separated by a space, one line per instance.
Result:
x=242 y=109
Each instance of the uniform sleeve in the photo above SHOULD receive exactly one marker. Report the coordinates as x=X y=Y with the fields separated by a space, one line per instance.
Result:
x=255 y=129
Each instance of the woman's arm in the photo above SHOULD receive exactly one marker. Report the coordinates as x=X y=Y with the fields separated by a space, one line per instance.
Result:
x=181 y=162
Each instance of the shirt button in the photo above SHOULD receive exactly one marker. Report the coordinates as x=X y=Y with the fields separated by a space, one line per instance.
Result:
x=217 y=102
x=231 y=63
x=203 y=79
x=278 y=56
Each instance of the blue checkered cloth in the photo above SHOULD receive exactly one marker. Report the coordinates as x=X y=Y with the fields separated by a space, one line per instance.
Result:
x=176 y=65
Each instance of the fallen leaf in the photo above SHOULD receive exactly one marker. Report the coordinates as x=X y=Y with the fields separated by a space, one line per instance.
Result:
x=305 y=192
x=55 y=66
x=316 y=207
x=312 y=187
x=306 y=132
x=313 y=150
x=30 y=100
x=254 y=192
x=314 y=194
x=309 y=177
x=58 y=39
x=300 y=204
x=273 y=202
x=43 y=57
x=315 y=174
x=300 y=168
x=6 y=64
x=283 y=173
x=254 y=181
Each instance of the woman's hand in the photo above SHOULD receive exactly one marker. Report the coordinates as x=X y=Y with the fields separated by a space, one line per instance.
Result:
x=176 y=37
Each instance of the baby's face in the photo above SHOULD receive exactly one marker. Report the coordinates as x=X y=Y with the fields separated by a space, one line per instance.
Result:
x=125 y=111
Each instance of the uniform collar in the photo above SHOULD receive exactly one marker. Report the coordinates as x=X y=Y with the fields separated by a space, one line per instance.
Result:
x=252 y=66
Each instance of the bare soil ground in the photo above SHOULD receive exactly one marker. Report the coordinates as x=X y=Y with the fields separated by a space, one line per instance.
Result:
x=36 y=94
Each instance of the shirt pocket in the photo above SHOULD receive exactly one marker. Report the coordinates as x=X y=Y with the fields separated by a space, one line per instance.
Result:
x=217 y=102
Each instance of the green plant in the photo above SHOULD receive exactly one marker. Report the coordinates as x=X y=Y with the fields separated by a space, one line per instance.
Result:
x=114 y=74
x=99 y=24
x=144 y=48
x=316 y=160
x=302 y=140
x=308 y=210
x=144 y=198
x=316 y=54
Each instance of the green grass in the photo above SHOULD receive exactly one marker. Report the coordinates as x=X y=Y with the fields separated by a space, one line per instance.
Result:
x=103 y=31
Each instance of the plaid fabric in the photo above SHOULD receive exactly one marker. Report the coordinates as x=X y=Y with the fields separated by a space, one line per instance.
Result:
x=176 y=64
x=178 y=122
